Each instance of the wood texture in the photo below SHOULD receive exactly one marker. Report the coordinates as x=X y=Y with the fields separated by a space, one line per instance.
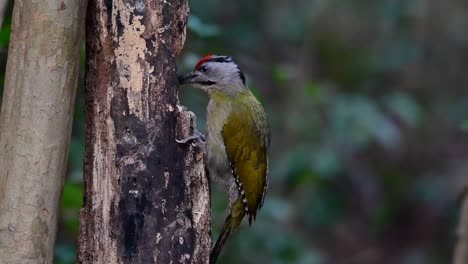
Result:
x=35 y=125
x=461 y=245
x=146 y=197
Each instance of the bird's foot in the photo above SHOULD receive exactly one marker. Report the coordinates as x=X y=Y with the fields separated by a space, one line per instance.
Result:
x=198 y=139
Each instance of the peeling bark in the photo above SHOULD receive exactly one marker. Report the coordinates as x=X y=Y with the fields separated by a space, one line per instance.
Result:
x=35 y=125
x=146 y=197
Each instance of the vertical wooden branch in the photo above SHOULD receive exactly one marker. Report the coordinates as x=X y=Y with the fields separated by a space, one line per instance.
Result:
x=146 y=197
x=3 y=7
x=461 y=247
x=35 y=125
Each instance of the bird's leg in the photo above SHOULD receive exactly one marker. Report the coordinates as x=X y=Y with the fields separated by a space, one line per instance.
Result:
x=198 y=139
x=197 y=136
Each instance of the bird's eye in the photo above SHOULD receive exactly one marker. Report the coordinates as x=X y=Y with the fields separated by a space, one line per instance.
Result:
x=204 y=69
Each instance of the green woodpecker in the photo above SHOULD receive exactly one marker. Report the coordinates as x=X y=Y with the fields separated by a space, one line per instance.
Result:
x=237 y=140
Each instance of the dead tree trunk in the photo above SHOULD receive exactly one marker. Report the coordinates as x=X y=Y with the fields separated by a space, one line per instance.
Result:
x=146 y=197
x=35 y=125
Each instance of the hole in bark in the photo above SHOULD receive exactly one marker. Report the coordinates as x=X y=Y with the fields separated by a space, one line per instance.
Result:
x=134 y=180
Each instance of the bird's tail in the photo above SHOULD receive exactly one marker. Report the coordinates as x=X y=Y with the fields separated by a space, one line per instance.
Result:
x=230 y=224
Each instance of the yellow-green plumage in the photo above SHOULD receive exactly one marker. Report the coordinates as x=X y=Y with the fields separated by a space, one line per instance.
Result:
x=245 y=136
x=237 y=139
x=237 y=125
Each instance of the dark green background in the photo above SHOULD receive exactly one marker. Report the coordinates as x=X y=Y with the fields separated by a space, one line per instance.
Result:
x=368 y=105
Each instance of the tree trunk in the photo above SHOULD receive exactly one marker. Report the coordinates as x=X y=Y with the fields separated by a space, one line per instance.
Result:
x=35 y=125
x=461 y=247
x=146 y=197
x=3 y=7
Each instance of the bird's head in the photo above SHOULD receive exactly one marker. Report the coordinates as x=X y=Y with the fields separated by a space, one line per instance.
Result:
x=215 y=73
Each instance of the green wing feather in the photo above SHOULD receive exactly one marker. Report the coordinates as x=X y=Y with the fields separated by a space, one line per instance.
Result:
x=246 y=137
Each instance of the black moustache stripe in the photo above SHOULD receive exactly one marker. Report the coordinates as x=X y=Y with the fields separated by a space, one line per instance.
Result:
x=207 y=83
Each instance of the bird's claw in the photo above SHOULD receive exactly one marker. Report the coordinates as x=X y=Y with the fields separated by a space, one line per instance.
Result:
x=199 y=137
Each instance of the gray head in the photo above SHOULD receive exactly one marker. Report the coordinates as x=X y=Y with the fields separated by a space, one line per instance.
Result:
x=216 y=73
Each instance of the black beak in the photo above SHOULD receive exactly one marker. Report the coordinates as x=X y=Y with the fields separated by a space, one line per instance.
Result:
x=186 y=78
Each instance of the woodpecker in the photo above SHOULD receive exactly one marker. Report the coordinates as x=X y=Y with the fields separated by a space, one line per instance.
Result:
x=237 y=139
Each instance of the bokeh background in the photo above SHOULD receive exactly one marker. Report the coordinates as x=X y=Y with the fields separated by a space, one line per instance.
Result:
x=368 y=106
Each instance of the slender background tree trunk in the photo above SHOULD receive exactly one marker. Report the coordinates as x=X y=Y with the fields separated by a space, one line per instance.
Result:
x=3 y=7
x=35 y=125
x=461 y=247
x=146 y=197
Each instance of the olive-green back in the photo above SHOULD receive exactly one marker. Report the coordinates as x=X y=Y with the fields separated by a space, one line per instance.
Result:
x=246 y=137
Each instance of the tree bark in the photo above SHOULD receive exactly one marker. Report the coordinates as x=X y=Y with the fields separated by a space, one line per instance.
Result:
x=461 y=247
x=146 y=197
x=3 y=7
x=35 y=125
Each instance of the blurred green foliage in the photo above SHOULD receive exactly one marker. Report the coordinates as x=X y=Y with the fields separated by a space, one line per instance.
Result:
x=368 y=106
